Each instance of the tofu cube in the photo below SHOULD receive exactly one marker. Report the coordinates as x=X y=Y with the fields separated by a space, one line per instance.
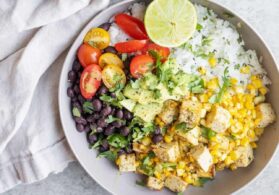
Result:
x=245 y=156
x=127 y=162
x=266 y=115
x=190 y=113
x=191 y=136
x=202 y=156
x=154 y=183
x=167 y=152
x=218 y=119
x=175 y=184
x=169 y=112
x=140 y=148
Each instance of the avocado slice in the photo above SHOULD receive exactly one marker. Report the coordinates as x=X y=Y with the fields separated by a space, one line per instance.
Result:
x=129 y=104
x=147 y=112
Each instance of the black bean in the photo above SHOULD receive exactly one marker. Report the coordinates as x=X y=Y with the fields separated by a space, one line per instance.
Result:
x=72 y=76
x=129 y=149
x=81 y=99
x=103 y=90
x=70 y=92
x=96 y=116
x=102 y=123
x=109 y=130
x=80 y=120
x=87 y=129
x=76 y=66
x=110 y=49
x=90 y=119
x=127 y=115
x=97 y=105
x=105 y=26
x=106 y=111
x=77 y=105
x=79 y=127
x=124 y=131
x=157 y=130
x=99 y=129
x=157 y=138
x=74 y=99
x=120 y=152
x=92 y=138
x=113 y=95
x=76 y=89
x=119 y=114
x=117 y=124
x=105 y=144
x=113 y=110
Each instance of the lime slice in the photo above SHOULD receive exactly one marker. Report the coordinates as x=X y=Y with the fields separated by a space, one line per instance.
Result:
x=170 y=23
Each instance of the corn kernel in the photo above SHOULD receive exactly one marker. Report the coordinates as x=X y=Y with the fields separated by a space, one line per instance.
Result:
x=203 y=98
x=201 y=70
x=146 y=141
x=245 y=69
x=158 y=175
x=259 y=131
x=212 y=61
x=228 y=161
x=263 y=90
x=233 y=167
x=213 y=83
x=233 y=155
x=168 y=138
x=245 y=141
x=253 y=145
x=181 y=165
x=257 y=83
x=117 y=161
x=259 y=99
x=233 y=81
x=180 y=172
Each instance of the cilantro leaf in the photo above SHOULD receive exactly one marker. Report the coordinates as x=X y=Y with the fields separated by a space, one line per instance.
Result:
x=111 y=155
x=199 y=27
x=181 y=127
x=208 y=133
x=110 y=100
x=196 y=85
x=76 y=112
x=203 y=180
x=167 y=165
x=87 y=107
x=117 y=141
x=111 y=119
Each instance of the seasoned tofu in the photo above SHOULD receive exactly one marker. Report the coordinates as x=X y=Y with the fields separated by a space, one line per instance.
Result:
x=169 y=112
x=191 y=136
x=154 y=183
x=140 y=148
x=218 y=119
x=175 y=184
x=266 y=115
x=127 y=162
x=190 y=113
x=203 y=157
x=245 y=156
x=167 y=152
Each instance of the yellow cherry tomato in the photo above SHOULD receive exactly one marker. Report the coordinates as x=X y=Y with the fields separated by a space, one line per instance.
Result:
x=97 y=37
x=110 y=59
x=113 y=77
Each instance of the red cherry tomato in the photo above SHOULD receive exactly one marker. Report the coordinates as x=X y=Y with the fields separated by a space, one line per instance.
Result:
x=130 y=46
x=140 y=65
x=90 y=80
x=163 y=52
x=88 y=55
x=131 y=26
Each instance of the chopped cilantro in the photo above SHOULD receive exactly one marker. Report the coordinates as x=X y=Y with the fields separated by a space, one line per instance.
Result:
x=87 y=107
x=111 y=119
x=206 y=41
x=76 y=112
x=117 y=141
x=111 y=155
x=167 y=165
x=196 y=85
x=110 y=100
x=237 y=67
x=199 y=27
x=181 y=126
x=208 y=133
x=203 y=180
x=140 y=183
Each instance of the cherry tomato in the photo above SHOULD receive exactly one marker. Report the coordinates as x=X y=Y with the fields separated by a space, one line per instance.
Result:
x=163 y=52
x=110 y=59
x=130 y=46
x=112 y=76
x=90 y=80
x=88 y=55
x=131 y=26
x=97 y=37
x=140 y=65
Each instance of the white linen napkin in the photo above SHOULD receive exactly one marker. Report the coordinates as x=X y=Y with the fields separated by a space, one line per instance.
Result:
x=34 y=38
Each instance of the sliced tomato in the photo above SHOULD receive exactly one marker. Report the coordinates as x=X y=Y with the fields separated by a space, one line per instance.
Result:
x=163 y=52
x=88 y=55
x=131 y=26
x=130 y=46
x=140 y=65
x=112 y=76
x=90 y=80
x=110 y=59
x=97 y=37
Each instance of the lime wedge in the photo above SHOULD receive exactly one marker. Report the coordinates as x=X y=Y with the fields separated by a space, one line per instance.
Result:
x=170 y=23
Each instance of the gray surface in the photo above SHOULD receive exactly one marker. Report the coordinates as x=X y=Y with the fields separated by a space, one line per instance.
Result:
x=263 y=15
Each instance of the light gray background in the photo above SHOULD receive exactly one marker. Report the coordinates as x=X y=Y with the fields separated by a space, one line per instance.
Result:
x=264 y=16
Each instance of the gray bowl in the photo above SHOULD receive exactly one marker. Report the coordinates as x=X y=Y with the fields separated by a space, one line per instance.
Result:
x=226 y=182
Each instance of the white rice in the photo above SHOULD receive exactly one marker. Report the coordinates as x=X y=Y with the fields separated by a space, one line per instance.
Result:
x=216 y=36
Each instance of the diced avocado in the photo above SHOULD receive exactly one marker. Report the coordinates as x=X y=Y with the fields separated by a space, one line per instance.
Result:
x=146 y=97
x=129 y=104
x=171 y=64
x=165 y=94
x=149 y=81
x=147 y=112
x=131 y=93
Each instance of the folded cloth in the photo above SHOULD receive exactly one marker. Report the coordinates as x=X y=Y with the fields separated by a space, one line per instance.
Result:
x=34 y=38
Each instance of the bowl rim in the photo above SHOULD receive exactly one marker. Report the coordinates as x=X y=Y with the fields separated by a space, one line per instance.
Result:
x=121 y=3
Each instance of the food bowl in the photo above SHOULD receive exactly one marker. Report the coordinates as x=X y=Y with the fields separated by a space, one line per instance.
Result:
x=226 y=182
